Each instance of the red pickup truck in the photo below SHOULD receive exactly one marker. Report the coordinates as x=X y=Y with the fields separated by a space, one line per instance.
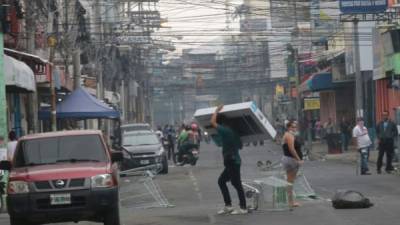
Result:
x=67 y=176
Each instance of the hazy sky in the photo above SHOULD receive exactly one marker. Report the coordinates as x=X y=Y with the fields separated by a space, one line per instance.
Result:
x=196 y=21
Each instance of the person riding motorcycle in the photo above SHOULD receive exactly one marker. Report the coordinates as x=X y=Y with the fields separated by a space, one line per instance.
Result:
x=196 y=134
x=187 y=141
x=159 y=133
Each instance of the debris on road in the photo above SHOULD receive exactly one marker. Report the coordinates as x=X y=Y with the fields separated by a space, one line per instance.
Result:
x=348 y=199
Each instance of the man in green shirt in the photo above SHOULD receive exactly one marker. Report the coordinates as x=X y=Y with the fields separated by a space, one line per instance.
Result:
x=231 y=144
x=186 y=143
x=182 y=143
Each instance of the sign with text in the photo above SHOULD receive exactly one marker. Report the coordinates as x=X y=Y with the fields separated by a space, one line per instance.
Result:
x=311 y=104
x=363 y=6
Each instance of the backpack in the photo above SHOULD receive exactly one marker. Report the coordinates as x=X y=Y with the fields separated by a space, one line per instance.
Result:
x=347 y=199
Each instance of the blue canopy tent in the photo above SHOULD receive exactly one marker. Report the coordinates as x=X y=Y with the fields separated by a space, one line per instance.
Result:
x=81 y=105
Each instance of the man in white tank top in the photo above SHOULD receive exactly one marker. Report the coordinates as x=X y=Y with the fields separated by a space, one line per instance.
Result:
x=360 y=133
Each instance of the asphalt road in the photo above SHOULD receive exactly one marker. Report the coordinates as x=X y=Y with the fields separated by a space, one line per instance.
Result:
x=195 y=194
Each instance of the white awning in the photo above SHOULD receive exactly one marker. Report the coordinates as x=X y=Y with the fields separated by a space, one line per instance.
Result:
x=18 y=74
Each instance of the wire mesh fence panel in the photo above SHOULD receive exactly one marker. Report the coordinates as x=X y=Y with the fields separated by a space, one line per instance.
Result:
x=271 y=191
x=302 y=188
x=142 y=191
x=268 y=194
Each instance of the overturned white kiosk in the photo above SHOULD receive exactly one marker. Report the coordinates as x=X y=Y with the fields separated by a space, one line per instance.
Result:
x=247 y=120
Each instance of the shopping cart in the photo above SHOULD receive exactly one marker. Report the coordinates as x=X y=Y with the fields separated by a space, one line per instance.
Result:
x=270 y=192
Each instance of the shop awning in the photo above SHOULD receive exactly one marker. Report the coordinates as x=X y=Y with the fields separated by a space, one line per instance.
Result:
x=318 y=82
x=81 y=105
x=24 y=56
x=18 y=75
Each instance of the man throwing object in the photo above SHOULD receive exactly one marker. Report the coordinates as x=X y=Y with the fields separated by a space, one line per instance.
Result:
x=231 y=144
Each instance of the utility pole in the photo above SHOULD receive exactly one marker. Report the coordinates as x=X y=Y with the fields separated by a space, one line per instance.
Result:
x=76 y=60
x=33 y=97
x=296 y=66
x=358 y=77
x=52 y=42
x=297 y=82
x=227 y=16
x=99 y=69
x=99 y=55
x=3 y=105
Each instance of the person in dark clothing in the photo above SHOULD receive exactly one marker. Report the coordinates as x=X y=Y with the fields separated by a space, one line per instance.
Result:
x=387 y=132
x=345 y=132
x=171 y=143
x=231 y=144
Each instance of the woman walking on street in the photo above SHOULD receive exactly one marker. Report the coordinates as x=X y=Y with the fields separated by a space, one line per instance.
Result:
x=292 y=158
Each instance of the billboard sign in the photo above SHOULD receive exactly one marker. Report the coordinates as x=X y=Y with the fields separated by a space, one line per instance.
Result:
x=363 y=6
x=253 y=25
x=378 y=55
x=312 y=104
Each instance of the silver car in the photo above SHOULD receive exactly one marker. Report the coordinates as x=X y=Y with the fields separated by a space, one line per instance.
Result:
x=142 y=149
x=135 y=127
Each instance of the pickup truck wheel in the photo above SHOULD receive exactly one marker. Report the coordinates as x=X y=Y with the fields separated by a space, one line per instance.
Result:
x=112 y=217
x=15 y=221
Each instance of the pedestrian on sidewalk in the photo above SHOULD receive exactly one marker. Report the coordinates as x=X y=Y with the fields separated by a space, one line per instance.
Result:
x=292 y=158
x=171 y=143
x=387 y=132
x=231 y=144
x=11 y=145
x=345 y=132
x=329 y=128
x=318 y=129
x=360 y=134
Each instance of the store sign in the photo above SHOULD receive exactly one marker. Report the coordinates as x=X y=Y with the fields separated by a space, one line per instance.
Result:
x=363 y=6
x=378 y=54
x=253 y=25
x=311 y=104
x=279 y=90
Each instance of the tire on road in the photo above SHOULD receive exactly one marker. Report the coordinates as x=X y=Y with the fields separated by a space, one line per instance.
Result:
x=112 y=217
x=17 y=221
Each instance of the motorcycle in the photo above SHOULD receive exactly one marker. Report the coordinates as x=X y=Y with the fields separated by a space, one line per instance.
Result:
x=206 y=137
x=165 y=143
x=190 y=157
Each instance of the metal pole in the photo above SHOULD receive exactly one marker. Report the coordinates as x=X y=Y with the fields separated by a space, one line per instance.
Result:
x=52 y=43
x=76 y=59
x=99 y=30
x=358 y=77
x=52 y=93
x=99 y=70
x=3 y=103
x=33 y=125
x=297 y=78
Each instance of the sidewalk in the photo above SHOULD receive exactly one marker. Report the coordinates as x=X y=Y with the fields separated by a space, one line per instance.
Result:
x=320 y=152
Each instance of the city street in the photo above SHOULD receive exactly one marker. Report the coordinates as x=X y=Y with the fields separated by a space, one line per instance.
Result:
x=194 y=192
x=90 y=88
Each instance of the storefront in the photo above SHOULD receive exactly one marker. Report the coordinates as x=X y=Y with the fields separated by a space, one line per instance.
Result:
x=336 y=99
x=20 y=81
x=42 y=77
